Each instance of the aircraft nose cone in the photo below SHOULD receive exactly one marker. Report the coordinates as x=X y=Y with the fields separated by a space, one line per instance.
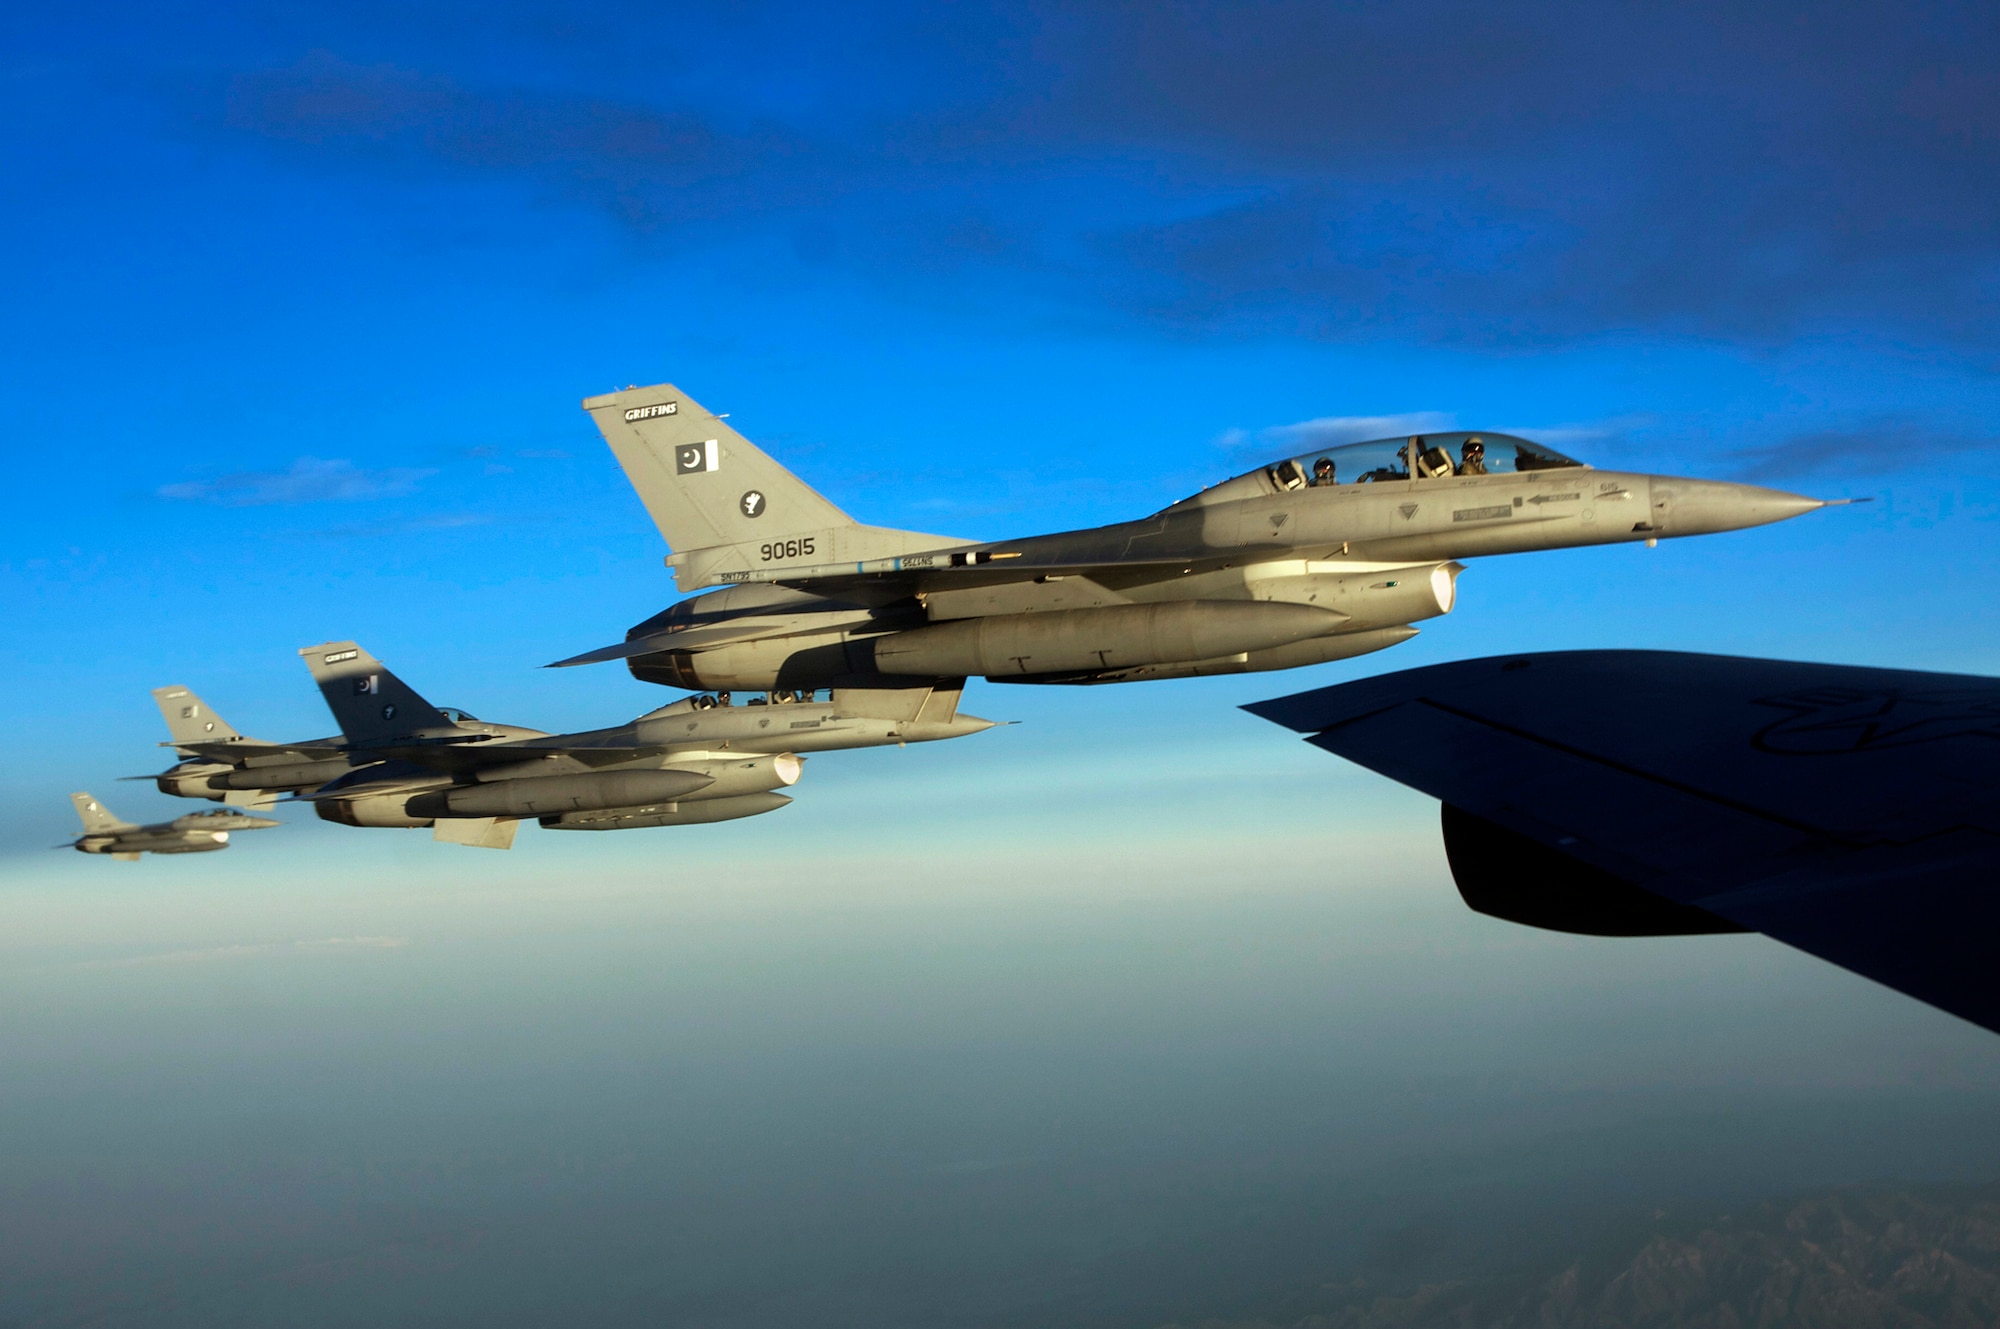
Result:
x=1701 y=507
x=259 y=823
x=1762 y=505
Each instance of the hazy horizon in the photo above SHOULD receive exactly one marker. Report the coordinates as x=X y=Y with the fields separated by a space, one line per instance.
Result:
x=1140 y=1010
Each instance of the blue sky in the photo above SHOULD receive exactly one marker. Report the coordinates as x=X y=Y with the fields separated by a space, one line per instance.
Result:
x=300 y=302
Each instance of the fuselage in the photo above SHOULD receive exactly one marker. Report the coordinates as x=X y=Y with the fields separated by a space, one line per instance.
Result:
x=1373 y=554
x=196 y=833
x=698 y=750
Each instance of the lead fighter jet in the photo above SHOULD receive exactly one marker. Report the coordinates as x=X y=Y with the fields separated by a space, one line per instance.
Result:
x=1309 y=559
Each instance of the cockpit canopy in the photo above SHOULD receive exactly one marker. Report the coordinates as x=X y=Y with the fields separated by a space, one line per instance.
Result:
x=1423 y=457
x=456 y=716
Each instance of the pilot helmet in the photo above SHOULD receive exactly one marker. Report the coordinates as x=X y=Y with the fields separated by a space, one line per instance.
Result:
x=1323 y=464
x=1473 y=448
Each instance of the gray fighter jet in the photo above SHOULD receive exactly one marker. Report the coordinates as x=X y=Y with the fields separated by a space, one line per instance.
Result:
x=221 y=765
x=196 y=833
x=1308 y=559
x=702 y=759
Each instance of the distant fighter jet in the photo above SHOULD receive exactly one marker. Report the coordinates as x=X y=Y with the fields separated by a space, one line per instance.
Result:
x=224 y=766
x=1312 y=558
x=702 y=759
x=196 y=833
x=1852 y=813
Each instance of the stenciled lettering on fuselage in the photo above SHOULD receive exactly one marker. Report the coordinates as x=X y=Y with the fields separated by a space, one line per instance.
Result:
x=785 y=549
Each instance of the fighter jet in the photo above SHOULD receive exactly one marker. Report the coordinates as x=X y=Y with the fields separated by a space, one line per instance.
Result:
x=196 y=833
x=1848 y=812
x=702 y=759
x=221 y=765
x=1305 y=560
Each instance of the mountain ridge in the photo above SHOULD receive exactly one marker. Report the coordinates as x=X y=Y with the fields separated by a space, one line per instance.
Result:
x=1865 y=1257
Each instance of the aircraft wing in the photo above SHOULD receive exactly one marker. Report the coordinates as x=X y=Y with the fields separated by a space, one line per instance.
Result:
x=929 y=572
x=907 y=575
x=433 y=759
x=610 y=753
x=684 y=639
x=243 y=750
x=1848 y=812
x=476 y=756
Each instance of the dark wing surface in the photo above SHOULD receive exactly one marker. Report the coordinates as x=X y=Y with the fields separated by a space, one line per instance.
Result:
x=1848 y=812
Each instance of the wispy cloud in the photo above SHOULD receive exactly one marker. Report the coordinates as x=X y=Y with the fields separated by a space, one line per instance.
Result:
x=1330 y=431
x=441 y=521
x=648 y=166
x=1564 y=436
x=253 y=950
x=1561 y=172
x=1875 y=450
x=310 y=480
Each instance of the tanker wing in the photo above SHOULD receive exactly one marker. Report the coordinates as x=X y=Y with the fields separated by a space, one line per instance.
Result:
x=1848 y=812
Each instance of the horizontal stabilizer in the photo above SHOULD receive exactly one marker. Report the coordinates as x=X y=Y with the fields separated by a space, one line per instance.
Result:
x=623 y=650
x=699 y=638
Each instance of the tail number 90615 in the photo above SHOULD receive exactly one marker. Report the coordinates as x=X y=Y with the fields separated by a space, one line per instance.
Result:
x=785 y=549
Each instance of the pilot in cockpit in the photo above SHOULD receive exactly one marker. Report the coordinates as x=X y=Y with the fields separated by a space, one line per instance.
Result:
x=1472 y=458
x=1322 y=473
x=1431 y=462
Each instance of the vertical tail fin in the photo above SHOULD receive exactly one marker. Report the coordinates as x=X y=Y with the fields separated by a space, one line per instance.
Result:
x=703 y=483
x=96 y=818
x=370 y=704
x=189 y=718
x=724 y=506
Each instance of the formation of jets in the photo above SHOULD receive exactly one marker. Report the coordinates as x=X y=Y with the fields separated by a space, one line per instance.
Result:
x=399 y=761
x=854 y=636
